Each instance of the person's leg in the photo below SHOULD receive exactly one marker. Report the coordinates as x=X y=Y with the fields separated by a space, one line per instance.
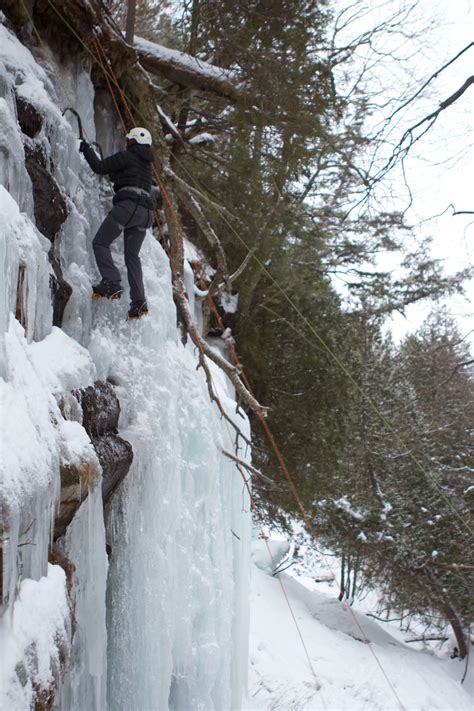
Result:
x=109 y=230
x=121 y=215
x=133 y=240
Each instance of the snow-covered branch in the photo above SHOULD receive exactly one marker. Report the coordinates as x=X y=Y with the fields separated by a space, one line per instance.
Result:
x=185 y=70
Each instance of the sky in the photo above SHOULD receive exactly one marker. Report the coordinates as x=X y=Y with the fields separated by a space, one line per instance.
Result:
x=439 y=168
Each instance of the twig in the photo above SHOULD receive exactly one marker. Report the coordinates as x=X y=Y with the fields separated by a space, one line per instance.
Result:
x=279 y=570
x=427 y=639
x=248 y=466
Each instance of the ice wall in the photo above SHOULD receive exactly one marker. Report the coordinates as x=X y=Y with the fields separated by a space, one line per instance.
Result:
x=179 y=526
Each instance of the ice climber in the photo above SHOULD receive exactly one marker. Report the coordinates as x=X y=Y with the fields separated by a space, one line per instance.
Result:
x=132 y=213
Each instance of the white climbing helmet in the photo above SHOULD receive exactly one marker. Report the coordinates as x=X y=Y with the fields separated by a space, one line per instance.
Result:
x=140 y=135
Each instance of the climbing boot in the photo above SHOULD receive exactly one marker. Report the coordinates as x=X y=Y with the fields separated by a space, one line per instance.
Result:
x=137 y=310
x=107 y=289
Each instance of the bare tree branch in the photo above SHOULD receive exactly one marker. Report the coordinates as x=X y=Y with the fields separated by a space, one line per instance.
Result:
x=231 y=371
x=205 y=226
x=251 y=469
x=433 y=76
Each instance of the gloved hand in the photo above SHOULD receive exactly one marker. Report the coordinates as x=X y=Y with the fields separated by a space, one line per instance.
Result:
x=83 y=147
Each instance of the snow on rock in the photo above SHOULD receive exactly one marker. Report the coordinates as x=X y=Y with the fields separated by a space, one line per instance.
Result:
x=33 y=442
x=202 y=138
x=34 y=640
x=61 y=362
x=229 y=302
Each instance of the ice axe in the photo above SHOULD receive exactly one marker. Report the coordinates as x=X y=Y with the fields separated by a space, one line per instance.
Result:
x=81 y=132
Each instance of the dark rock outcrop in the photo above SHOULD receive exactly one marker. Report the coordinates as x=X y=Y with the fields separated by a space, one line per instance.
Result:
x=49 y=202
x=101 y=410
x=115 y=456
x=29 y=118
x=50 y=205
x=97 y=408
x=60 y=290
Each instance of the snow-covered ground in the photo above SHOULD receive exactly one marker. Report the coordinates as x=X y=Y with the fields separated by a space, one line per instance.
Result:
x=339 y=672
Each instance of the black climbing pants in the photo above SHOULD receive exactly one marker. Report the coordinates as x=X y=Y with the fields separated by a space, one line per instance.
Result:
x=133 y=220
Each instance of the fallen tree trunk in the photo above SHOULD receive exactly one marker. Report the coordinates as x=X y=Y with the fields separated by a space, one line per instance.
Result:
x=185 y=70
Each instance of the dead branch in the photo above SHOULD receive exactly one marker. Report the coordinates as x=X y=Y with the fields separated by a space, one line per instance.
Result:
x=206 y=228
x=233 y=277
x=451 y=566
x=409 y=138
x=213 y=397
x=427 y=639
x=455 y=370
x=392 y=619
x=250 y=468
x=443 y=105
x=231 y=371
x=433 y=76
x=193 y=191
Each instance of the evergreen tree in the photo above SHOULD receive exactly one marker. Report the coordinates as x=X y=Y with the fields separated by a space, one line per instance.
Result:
x=401 y=504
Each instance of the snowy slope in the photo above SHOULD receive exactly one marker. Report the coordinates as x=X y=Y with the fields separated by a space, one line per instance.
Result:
x=386 y=675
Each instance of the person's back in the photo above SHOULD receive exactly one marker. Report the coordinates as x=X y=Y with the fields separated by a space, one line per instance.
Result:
x=131 y=167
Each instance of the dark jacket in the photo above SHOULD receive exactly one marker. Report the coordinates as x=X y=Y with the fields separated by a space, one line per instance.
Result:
x=130 y=168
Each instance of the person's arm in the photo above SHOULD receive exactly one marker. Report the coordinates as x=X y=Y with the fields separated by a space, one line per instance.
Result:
x=106 y=166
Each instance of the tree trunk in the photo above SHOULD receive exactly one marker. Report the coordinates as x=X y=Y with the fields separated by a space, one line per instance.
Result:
x=130 y=28
x=450 y=615
x=341 y=590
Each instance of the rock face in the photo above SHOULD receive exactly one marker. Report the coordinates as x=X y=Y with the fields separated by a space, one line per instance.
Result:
x=75 y=482
x=49 y=202
x=29 y=119
x=50 y=205
x=115 y=456
x=97 y=408
x=101 y=410
x=61 y=290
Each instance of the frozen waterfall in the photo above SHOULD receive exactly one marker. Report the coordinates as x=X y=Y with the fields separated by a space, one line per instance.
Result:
x=163 y=623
